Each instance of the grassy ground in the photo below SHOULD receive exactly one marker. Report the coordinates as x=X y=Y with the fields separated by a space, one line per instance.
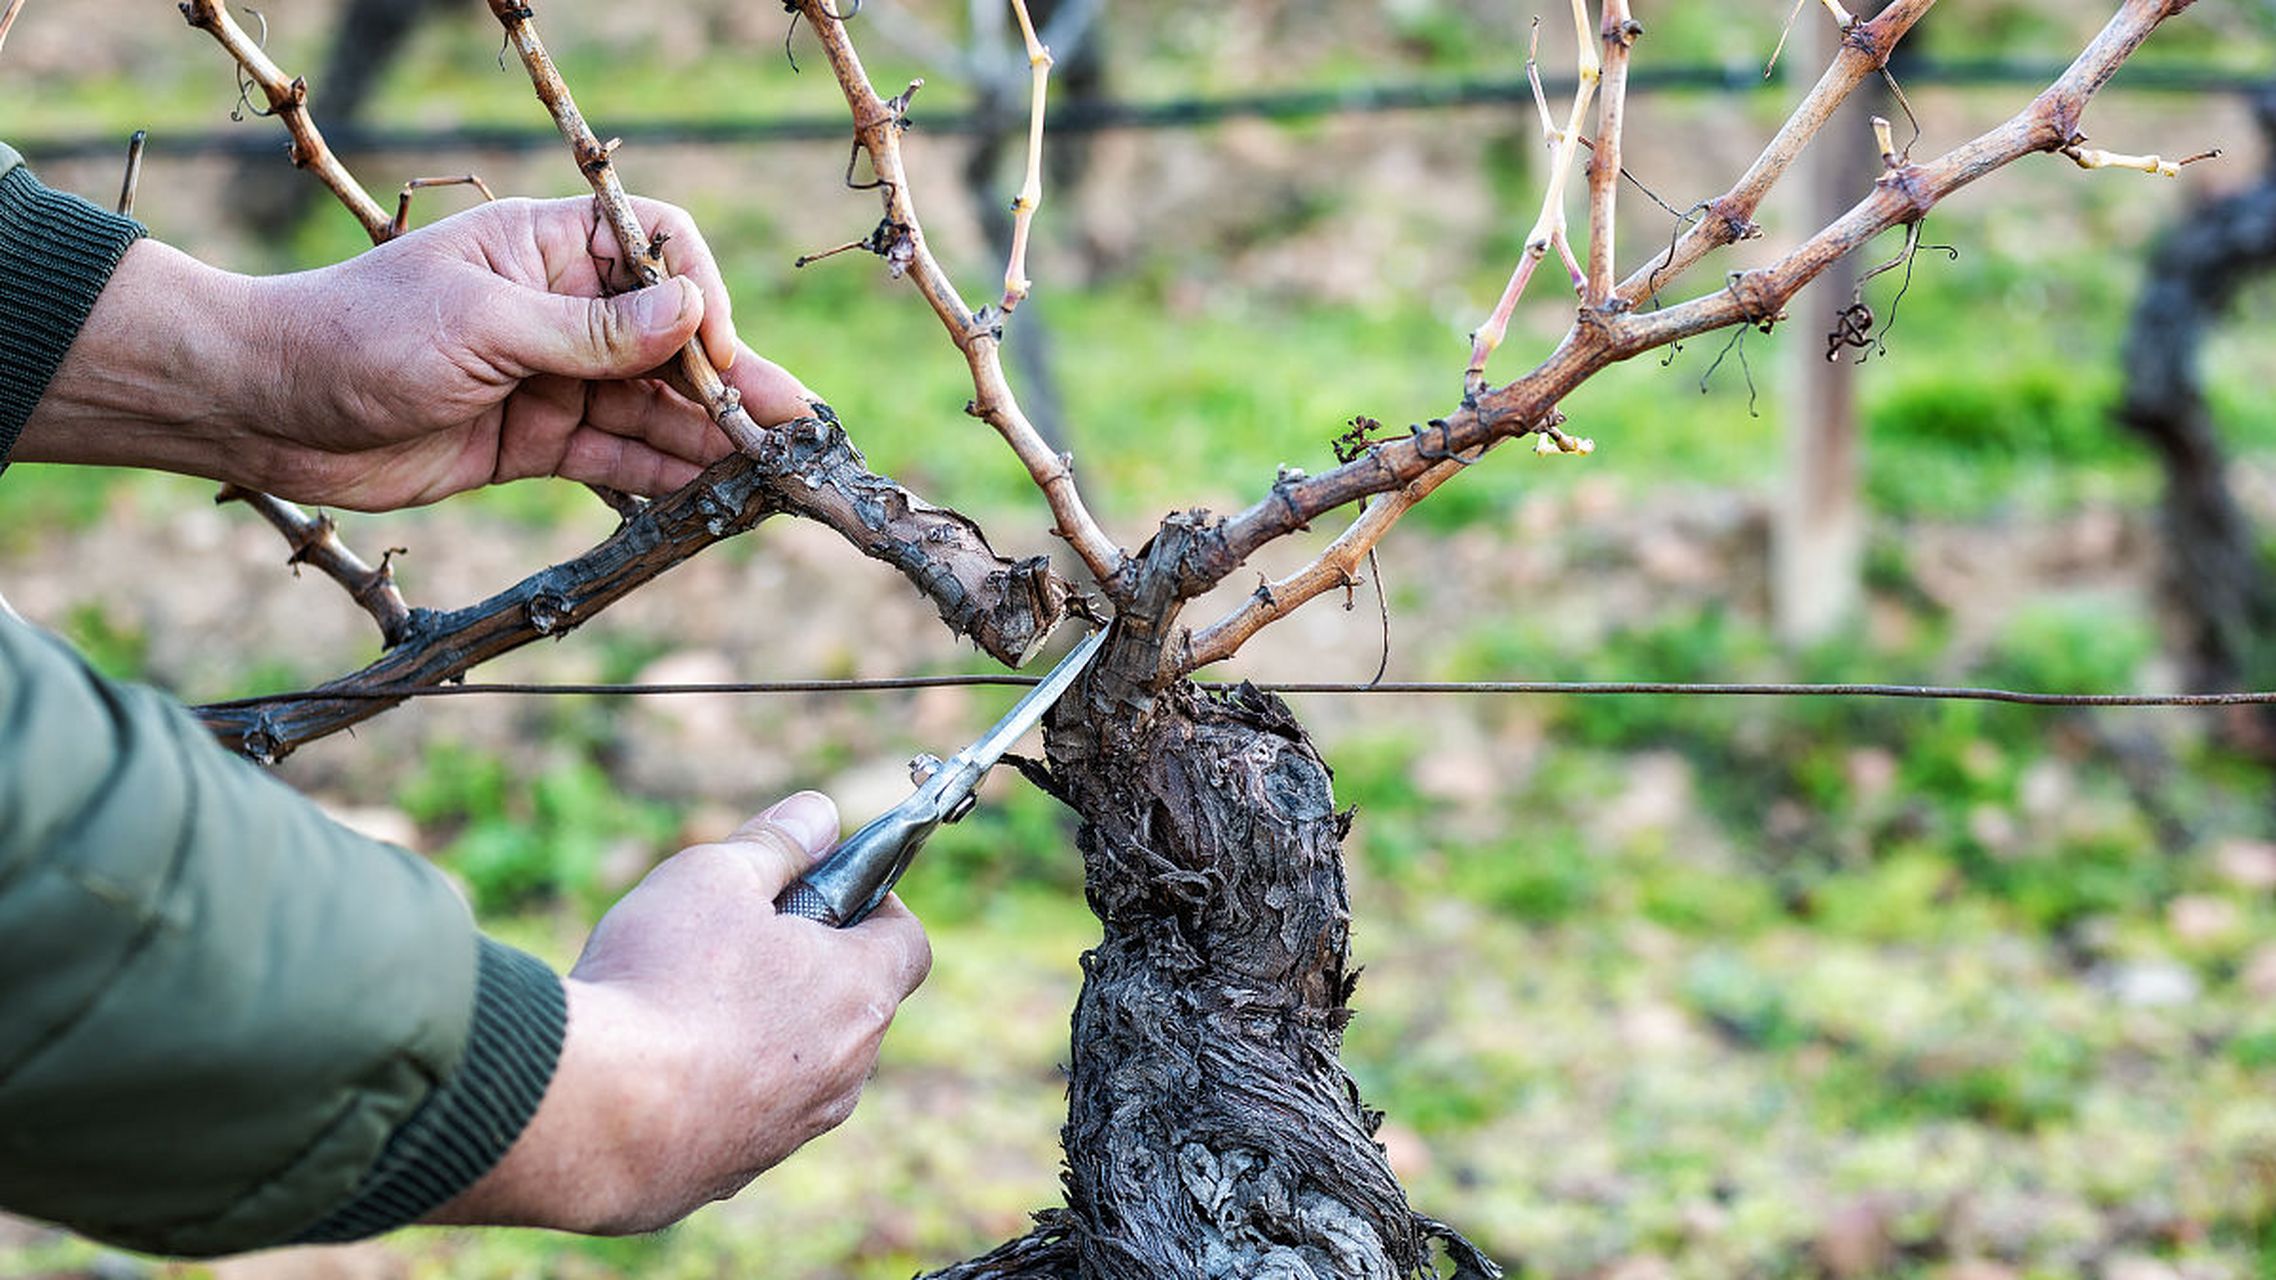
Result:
x=1654 y=988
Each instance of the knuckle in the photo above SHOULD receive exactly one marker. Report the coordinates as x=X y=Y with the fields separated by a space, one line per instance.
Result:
x=903 y=945
x=702 y=861
x=704 y=855
x=603 y=327
x=661 y=215
x=837 y=1110
x=774 y=842
x=728 y=1185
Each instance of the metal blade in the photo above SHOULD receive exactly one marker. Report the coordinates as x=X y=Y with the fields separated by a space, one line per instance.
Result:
x=1028 y=711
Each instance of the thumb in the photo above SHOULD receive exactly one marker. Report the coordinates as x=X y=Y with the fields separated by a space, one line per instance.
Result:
x=615 y=337
x=786 y=839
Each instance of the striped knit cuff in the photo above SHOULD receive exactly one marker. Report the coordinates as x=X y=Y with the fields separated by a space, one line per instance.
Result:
x=465 y=1126
x=56 y=253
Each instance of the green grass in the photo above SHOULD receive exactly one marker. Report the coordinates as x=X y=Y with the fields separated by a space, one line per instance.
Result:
x=518 y=840
x=115 y=648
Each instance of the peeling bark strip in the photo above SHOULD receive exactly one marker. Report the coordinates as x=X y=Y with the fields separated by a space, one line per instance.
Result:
x=1212 y=1129
x=805 y=468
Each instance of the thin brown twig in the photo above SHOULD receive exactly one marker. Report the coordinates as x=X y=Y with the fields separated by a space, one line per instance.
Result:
x=1016 y=283
x=1549 y=226
x=288 y=101
x=315 y=542
x=1909 y=191
x=641 y=255
x=8 y=19
x=131 y=182
x=1549 y=133
x=1784 y=33
x=1865 y=49
x=878 y=123
x=1757 y=297
x=1334 y=567
x=402 y=222
x=1619 y=30
x=311 y=538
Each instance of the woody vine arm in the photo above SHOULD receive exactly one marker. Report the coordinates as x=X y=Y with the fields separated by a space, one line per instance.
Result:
x=1008 y=607
x=806 y=468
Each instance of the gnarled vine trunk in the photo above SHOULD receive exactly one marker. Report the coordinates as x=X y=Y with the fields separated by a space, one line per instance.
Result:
x=1212 y=1129
x=2217 y=577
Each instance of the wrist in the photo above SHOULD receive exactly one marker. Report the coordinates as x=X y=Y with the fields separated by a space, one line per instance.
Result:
x=594 y=1158
x=168 y=372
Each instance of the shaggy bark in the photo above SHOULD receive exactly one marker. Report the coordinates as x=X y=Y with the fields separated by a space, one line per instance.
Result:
x=2216 y=577
x=1212 y=1129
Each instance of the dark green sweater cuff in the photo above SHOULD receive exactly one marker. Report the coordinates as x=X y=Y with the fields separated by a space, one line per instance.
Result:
x=465 y=1126
x=56 y=253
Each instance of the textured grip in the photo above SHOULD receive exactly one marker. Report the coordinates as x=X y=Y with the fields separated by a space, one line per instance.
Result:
x=802 y=900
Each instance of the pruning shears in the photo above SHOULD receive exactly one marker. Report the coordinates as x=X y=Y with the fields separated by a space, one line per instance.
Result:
x=851 y=880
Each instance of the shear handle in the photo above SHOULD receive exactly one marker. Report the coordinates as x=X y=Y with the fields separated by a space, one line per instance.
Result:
x=851 y=880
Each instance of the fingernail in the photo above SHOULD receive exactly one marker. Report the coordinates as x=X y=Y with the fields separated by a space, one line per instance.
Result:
x=659 y=308
x=810 y=817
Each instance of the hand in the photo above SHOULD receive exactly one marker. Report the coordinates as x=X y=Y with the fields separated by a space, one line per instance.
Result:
x=477 y=350
x=708 y=1037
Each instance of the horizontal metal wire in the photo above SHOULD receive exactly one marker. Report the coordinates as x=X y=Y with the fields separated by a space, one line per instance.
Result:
x=1585 y=688
x=1096 y=116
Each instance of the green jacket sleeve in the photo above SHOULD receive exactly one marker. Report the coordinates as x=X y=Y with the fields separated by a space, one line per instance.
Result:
x=227 y=1022
x=56 y=253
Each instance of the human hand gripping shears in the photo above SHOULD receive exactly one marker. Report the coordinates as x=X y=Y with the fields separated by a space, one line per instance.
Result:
x=849 y=882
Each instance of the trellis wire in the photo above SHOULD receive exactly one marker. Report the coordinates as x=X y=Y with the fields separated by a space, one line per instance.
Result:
x=348 y=139
x=1582 y=688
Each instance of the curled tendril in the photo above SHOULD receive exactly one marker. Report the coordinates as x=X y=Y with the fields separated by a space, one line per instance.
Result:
x=791 y=7
x=1904 y=104
x=245 y=84
x=1684 y=221
x=1737 y=343
x=1853 y=326
x=1444 y=452
x=1383 y=608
